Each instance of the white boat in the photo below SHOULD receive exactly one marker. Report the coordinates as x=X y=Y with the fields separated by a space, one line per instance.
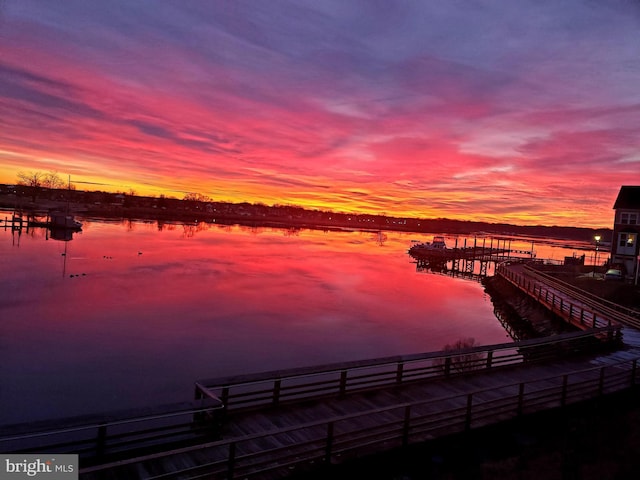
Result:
x=437 y=243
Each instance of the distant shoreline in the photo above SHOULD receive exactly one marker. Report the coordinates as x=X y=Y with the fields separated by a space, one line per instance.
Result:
x=119 y=206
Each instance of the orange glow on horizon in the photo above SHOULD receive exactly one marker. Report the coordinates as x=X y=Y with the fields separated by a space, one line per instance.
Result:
x=313 y=201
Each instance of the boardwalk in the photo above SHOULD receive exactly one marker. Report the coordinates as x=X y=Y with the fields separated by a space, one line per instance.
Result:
x=273 y=442
x=575 y=306
x=271 y=439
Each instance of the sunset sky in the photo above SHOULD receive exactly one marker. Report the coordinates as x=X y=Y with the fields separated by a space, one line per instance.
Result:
x=519 y=111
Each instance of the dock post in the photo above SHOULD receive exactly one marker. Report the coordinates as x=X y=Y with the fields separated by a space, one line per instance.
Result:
x=467 y=420
x=343 y=382
x=276 y=392
x=329 y=444
x=601 y=382
x=406 y=425
x=447 y=366
x=520 y=399
x=101 y=441
x=399 y=372
x=231 y=461
x=483 y=268
x=561 y=305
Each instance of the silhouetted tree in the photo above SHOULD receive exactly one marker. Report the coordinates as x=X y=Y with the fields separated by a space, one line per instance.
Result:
x=36 y=181
x=52 y=180
x=30 y=179
x=196 y=197
x=461 y=362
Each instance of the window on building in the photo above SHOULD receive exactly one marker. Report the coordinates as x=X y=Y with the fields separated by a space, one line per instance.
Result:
x=627 y=243
x=629 y=218
x=623 y=240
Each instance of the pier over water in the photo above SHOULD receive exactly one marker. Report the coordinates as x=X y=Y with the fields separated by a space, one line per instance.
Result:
x=468 y=258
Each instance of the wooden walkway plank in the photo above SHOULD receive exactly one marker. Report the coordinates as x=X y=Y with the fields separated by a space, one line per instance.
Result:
x=439 y=417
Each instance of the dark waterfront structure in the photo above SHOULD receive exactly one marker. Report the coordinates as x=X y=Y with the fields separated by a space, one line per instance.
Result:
x=467 y=259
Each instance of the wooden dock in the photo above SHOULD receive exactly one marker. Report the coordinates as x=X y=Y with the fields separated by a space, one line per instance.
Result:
x=468 y=259
x=16 y=223
x=293 y=437
x=271 y=424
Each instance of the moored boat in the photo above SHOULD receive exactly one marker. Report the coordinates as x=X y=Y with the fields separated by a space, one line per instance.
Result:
x=63 y=220
x=437 y=243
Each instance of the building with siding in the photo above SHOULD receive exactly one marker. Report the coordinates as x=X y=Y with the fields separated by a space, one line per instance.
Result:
x=626 y=229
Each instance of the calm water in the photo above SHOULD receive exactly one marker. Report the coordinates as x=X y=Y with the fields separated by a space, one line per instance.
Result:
x=127 y=314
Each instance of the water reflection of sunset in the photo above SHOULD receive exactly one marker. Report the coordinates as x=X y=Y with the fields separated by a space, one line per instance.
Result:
x=152 y=310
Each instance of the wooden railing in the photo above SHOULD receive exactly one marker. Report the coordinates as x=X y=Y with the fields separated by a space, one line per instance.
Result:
x=623 y=314
x=579 y=310
x=125 y=437
x=337 y=439
x=277 y=387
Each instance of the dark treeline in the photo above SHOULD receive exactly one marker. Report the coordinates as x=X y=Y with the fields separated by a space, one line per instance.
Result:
x=126 y=205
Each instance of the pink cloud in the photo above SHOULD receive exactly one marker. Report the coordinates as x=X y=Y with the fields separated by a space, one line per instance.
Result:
x=327 y=111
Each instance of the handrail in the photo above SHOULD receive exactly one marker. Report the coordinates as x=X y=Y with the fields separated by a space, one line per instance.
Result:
x=108 y=424
x=101 y=437
x=600 y=313
x=524 y=283
x=583 y=295
x=276 y=387
x=355 y=364
x=463 y=410
x=98 y=437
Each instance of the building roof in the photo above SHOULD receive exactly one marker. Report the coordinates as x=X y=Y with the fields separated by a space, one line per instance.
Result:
x=628 y=197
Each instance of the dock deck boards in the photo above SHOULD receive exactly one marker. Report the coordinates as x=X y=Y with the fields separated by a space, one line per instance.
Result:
x=498 y=388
